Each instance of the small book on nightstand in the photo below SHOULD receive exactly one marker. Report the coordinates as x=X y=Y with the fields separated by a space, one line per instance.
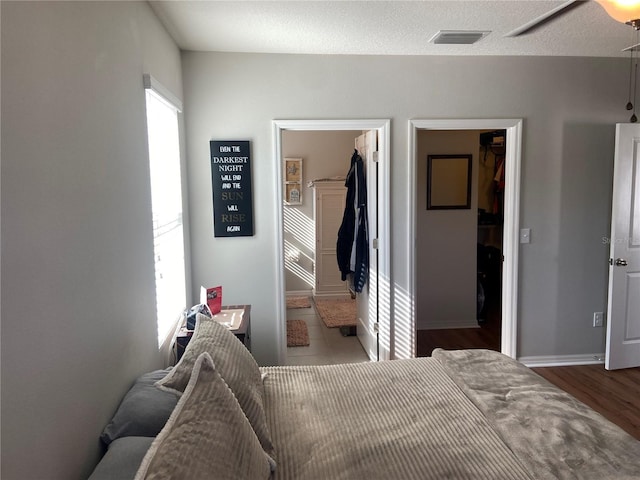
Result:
x=212 y=297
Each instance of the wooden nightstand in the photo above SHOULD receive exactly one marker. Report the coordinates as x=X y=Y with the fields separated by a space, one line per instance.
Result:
x=242 y=333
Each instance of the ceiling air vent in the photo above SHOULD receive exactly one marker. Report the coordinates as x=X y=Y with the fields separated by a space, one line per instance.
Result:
x=458 y=37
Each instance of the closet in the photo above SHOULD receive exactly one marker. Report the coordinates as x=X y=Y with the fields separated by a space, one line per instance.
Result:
x=328 y=200
x=491 y=183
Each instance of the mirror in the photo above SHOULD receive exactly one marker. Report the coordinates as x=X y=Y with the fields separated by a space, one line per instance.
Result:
x=448 y=182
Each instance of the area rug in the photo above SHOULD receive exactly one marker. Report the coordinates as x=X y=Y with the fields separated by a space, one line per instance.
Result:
x=298 y=302
x=337 y=313
x=297 y=333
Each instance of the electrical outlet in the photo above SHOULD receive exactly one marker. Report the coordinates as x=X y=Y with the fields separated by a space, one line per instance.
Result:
x=598 y=319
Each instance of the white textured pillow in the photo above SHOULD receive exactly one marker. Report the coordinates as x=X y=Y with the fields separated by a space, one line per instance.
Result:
x=207 y=435
x=235 y=365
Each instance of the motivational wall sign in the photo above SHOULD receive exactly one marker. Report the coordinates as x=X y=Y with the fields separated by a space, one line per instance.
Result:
x=231 y=184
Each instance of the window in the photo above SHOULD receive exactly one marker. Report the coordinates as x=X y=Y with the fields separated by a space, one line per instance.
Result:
x=166 y=206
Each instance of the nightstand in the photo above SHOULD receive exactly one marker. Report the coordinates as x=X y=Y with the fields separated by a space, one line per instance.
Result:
x=242 y=333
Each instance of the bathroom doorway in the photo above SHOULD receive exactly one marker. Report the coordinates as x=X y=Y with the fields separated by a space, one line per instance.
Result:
x=298 y=242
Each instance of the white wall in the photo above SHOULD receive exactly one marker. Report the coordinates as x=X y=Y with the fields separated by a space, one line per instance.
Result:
x=569 y=115
x=78 y=315
x=324 y=154
x=446 y=240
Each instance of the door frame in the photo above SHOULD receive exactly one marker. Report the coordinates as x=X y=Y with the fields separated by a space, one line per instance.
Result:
x=383 y=126
x=511 y=236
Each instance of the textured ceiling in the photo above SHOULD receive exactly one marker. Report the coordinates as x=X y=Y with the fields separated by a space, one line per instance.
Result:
x=390 y=27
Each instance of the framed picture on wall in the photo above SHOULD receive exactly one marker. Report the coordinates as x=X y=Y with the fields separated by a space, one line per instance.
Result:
x=448 y=182
x=292 y=181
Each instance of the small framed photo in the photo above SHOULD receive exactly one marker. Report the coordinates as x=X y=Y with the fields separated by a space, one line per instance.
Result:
x=293 y=195
x=448 y=182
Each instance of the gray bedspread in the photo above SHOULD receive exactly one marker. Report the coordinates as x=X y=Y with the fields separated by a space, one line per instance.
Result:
x=551 y=432
x=404 y=419
x=445 y=417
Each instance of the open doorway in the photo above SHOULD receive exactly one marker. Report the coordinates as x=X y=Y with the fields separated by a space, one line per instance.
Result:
x=460 y=185
x=300 y=253
x=321 y=313
x=505 y=235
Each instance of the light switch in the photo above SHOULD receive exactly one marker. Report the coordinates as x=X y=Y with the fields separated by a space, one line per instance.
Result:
x=525 y=235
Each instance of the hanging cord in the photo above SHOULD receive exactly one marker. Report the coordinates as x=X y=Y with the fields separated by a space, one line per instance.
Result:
x=629 y=103
x=633 y=118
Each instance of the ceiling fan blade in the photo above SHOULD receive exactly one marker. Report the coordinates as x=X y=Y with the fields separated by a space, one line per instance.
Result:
x=544 y=18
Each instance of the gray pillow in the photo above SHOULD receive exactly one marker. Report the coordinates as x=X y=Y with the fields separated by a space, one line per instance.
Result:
x=207 y=435
x=143 y=411
x=235 y=365
x=123 y=459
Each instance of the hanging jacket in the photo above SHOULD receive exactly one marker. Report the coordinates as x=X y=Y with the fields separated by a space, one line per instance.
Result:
x=346 y=233
x=352 y=247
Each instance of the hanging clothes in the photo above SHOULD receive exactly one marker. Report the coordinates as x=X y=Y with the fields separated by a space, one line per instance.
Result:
x=346 y=233
x=352 y=247
x=499 y=183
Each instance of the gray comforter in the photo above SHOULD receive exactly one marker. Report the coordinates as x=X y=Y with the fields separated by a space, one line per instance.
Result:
x=471 y=414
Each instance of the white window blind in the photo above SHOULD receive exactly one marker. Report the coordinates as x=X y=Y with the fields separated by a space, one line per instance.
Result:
x=166 y=205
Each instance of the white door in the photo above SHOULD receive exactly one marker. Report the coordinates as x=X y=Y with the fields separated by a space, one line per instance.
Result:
x=623 y=311
x=367 y=301
x=329 y=201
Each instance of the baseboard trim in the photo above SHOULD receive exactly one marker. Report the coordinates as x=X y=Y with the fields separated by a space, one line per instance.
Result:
x=447 y=325
x=562 y=360
x=333 y=296
x=298 y=293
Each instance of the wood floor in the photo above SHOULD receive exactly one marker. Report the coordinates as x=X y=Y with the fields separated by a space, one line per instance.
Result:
x=487 y=335
x=613 y=394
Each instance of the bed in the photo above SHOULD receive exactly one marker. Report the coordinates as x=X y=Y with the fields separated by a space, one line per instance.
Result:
x=468 y=414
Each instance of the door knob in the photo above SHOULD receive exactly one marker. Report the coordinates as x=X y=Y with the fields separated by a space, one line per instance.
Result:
x=620 y=262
